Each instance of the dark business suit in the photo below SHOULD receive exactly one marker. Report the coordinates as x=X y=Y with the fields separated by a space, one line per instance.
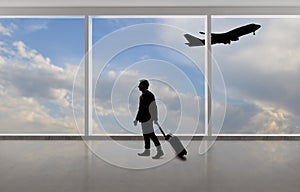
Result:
x=147 y=113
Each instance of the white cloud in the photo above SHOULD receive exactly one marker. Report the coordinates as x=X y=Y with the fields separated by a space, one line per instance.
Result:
x=274 y=121
x=250 y=118
x=4 y=50
x=33 y=75
x=36 y=94
x=2 y=60
x=27 y=115
x=117 y=98
x=191 y=25
x=37 y=25
x=22 y=50
x=173 y=36
x=7 y=30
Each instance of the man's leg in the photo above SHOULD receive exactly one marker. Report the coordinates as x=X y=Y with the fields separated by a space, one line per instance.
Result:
x=158 y=146
x=147 y=146
x=147 y=141
x=154 y=139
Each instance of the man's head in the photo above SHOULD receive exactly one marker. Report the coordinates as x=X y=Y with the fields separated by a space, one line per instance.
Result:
x=144 y=84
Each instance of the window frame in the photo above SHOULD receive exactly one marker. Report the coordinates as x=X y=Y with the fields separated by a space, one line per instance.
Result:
x=147 y=11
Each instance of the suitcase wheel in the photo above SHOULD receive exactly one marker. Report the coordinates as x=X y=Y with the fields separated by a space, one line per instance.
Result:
x=182 y=153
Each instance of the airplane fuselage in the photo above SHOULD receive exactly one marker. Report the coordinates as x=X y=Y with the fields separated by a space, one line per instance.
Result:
x=224 y=38
x=234 y=34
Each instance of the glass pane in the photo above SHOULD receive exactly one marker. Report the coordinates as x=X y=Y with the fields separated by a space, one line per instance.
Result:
x=38 y=60
x=262 y=74
x=128 y=49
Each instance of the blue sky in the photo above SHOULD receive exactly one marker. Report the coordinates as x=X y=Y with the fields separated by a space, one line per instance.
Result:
x=142 y=60
x=60 y=39
x=251 y=100
x=105 y=26
x=39 y=58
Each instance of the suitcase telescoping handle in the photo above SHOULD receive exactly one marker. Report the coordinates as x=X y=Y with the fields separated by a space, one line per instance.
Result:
x=160 y=129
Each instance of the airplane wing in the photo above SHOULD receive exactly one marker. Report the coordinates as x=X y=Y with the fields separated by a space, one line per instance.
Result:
x=193 y=41
x=219 y=38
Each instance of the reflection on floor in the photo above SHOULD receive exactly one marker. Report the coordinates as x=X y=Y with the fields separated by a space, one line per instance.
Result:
x=241 y=166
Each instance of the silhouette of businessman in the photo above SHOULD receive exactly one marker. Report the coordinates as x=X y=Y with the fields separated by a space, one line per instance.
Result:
x=147 y=113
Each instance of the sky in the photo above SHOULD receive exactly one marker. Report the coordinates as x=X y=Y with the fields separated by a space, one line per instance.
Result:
x=261 y=73
x=41 y=62
x=38 y=61
x=147 y=48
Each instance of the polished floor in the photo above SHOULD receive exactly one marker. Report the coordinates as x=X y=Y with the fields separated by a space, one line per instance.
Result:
x=69 y=166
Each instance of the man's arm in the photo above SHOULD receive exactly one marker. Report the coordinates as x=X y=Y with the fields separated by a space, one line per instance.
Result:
x=137 y=115
x=153 y=111
x=136 y=119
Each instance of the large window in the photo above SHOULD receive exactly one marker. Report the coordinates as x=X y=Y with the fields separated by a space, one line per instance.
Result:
x=128 y=49
x=39 y=57
x=55 y=68
x=262 y=75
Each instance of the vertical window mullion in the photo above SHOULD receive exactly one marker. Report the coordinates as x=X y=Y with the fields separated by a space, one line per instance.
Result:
x=88 y=78
x=208 y=72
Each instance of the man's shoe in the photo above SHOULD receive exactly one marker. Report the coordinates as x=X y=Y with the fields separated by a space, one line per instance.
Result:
x=158 y=155
x=145 y=153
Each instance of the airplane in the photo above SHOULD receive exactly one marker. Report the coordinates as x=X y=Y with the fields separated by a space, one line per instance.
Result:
x=224 y=38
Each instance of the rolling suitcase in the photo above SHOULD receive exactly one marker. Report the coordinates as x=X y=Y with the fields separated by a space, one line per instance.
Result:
x=175 y=143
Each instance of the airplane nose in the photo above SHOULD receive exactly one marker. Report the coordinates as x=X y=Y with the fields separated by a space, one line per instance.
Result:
x=257 y=26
